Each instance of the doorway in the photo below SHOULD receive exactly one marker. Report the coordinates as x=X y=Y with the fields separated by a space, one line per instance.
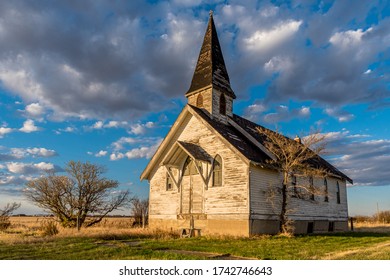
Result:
x=191 y=189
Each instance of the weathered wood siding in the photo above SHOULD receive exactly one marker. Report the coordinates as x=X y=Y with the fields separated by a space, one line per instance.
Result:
x=261 y=180
x=211 y=98
x=227 y=200
x=263 y=206
x=207 y=99
x=216 y=105
x=305 y=209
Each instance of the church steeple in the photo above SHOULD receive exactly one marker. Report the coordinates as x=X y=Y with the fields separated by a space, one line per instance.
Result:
x=210 y=87
x=210 y=69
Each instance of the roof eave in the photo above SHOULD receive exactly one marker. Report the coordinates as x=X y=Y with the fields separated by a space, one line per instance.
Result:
x=153 y=161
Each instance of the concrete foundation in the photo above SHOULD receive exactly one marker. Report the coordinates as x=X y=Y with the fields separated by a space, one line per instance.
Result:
x=245 y=228
x=206 y=227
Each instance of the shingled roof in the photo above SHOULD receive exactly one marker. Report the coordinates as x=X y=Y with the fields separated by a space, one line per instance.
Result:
x=248 y=147
x=210 y=69
x=319 y=162
x=234 y=137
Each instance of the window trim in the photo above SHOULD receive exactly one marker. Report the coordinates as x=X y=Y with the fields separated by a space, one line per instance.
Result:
x=199 y=101
x=220 y=171
x=311 y=182
x=168 y=182
x=338 y=195
x=192 y=168
x=294 y=184
x=326 y=199
x=222 y=104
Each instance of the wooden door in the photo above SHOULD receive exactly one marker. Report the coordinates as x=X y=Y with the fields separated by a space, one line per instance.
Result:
x=191 y=189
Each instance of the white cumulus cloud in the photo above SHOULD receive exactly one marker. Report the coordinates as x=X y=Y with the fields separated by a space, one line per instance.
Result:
x=4 y=131
x=29 y=168
x=101 y=153
x=139 y=152
x=34 y=110
x=29 y=126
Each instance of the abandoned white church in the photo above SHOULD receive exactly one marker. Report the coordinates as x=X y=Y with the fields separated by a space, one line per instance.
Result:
x=209 y=173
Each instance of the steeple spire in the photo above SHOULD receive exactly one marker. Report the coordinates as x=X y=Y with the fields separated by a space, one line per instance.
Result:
x=210 y=70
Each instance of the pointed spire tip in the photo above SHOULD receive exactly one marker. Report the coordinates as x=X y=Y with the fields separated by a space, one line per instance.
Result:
x=211 y=13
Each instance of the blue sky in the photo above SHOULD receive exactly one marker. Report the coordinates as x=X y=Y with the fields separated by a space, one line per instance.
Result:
x=103 y=81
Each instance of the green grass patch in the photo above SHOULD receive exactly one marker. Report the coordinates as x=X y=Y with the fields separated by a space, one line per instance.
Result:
x=111 y=247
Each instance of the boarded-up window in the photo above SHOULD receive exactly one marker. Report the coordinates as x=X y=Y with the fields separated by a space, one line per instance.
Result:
x=222 y=104
x=217 y=171
x=338 y=193
x=199 y=101
x=326 y=190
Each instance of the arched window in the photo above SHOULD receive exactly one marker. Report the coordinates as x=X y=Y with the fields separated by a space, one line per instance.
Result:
x=199 y=101
x=326 y=190
x=217 y=171
x=189 y=167
x=338 y=193
x=222 y=104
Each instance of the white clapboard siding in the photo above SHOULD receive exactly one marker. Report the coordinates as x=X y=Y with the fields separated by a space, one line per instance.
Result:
x=303 y=209
x=261 y=180
x=230 y=198
x=300 y=209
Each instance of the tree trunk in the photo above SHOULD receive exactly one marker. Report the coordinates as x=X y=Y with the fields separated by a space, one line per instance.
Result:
x=283 y=225
x=78 y=223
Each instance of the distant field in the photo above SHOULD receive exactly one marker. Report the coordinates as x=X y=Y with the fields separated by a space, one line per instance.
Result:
x=114 y=239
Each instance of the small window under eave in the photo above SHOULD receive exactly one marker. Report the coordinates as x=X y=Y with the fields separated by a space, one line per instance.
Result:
x=222 y=105
x=199 y=101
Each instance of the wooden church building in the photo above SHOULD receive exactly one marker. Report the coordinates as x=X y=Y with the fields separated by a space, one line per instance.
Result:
x=209 y=172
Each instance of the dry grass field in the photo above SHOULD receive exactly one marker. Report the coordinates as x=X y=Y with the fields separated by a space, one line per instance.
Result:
x=24 y=229
x=372 y=227
x=114 y=238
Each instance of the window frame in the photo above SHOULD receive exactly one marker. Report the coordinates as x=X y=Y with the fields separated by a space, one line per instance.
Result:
x=326 y=199
x=311 y=182
x=338 y=195
x=294 y=184
x=222 y=104
x=199 y=101
x=169 y=182
x=219 y=172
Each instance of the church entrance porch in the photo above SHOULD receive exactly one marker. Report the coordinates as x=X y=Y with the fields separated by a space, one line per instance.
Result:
x=192 y=193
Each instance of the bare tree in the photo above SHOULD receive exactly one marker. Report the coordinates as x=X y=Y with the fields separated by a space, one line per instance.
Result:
x=5 y=213
x=140 y=210
x=294 y=158
x=84 y=197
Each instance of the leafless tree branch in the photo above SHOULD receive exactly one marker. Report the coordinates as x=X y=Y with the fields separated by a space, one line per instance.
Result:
x=293 y=158
x=84 y=197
